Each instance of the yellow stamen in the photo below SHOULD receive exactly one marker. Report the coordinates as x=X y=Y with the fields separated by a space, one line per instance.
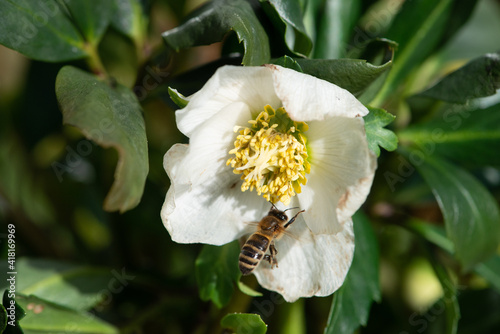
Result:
x=271 y=155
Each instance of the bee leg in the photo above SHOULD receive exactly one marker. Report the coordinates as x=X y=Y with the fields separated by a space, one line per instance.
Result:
x=272 y=259
x=293 y=219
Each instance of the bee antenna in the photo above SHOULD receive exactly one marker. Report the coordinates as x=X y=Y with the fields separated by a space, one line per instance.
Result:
x=296 y=207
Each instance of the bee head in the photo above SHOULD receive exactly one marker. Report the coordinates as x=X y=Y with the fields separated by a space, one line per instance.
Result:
x=281 y=215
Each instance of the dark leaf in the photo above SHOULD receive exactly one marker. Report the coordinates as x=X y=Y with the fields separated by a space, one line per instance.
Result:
x=91 y=17
x=288 y=14
x=470 y=211
x=111 y=116
x=352 y=302
x=212 y=21
x=461 y=133
x=40 y=30
x=354 y=75
x=479 y=78
x=288 y=62
x=217 y=271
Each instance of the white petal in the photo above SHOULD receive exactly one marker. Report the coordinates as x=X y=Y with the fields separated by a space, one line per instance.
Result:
x=204 y=202
x=229 y=84
x=311 y=265
x=307 y=98
x=342 y=170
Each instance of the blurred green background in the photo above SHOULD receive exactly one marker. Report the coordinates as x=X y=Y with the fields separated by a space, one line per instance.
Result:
x=53 y=182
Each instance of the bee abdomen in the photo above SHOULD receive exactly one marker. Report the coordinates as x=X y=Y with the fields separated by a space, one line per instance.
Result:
x=252 y=252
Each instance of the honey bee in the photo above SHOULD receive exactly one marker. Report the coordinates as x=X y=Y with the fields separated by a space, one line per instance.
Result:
x=272 y=227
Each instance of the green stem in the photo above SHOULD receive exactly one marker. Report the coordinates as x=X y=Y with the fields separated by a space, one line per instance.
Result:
x=94 y=61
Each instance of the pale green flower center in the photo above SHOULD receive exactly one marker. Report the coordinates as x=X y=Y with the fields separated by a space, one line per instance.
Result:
x=271 y=155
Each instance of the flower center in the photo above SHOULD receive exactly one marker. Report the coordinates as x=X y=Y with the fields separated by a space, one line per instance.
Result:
x=271 y=155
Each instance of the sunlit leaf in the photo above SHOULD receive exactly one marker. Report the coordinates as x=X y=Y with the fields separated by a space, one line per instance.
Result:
x=217 y=271
x=336 y=23
x=45 y=317
x=377 y=134
x=40 y=30
x=77 y=287
x=479 y=78
x=461 y=133
x=211 y=22
x=244 y=323
x=419 y=28
x=354 y=75
x=248 y=290
x=470 y=211
x=180 y=100
x=111 y=116
x=289 y=14
x=352 y=302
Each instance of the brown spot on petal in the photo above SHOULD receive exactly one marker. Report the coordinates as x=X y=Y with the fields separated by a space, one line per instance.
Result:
x=343 y=200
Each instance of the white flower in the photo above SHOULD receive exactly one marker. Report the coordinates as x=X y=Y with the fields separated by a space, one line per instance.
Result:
x=315 y=158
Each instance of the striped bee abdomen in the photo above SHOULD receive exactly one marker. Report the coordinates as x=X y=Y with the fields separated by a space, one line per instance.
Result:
x=252 y=252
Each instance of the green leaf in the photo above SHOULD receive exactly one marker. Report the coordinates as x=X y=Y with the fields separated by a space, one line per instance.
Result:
x=449 y=299
x=73 y=286
x=461 y=133
x=417 y=28
x=3 y=318
x=377 y=135
x=20 y=187
x=351 y=303
x=248 y=290
x=211 y=22
x=40 y=30
x=288 y=62
x=45 y=317
x=111 y=116
x=287 y=14
x=91 y=17
x=129 y=19
x=11 y=310
x=470 y=212
x=489 y=269
x=180 y=100
x=216 y=271
x=336 y=23
x=354 y=75
x=479 y=78
x=244 y=323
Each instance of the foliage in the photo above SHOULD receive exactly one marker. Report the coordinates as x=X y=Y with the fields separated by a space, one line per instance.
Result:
x=90 y=253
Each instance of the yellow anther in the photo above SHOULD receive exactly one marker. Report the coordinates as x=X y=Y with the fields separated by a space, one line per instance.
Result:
x=271 y=155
